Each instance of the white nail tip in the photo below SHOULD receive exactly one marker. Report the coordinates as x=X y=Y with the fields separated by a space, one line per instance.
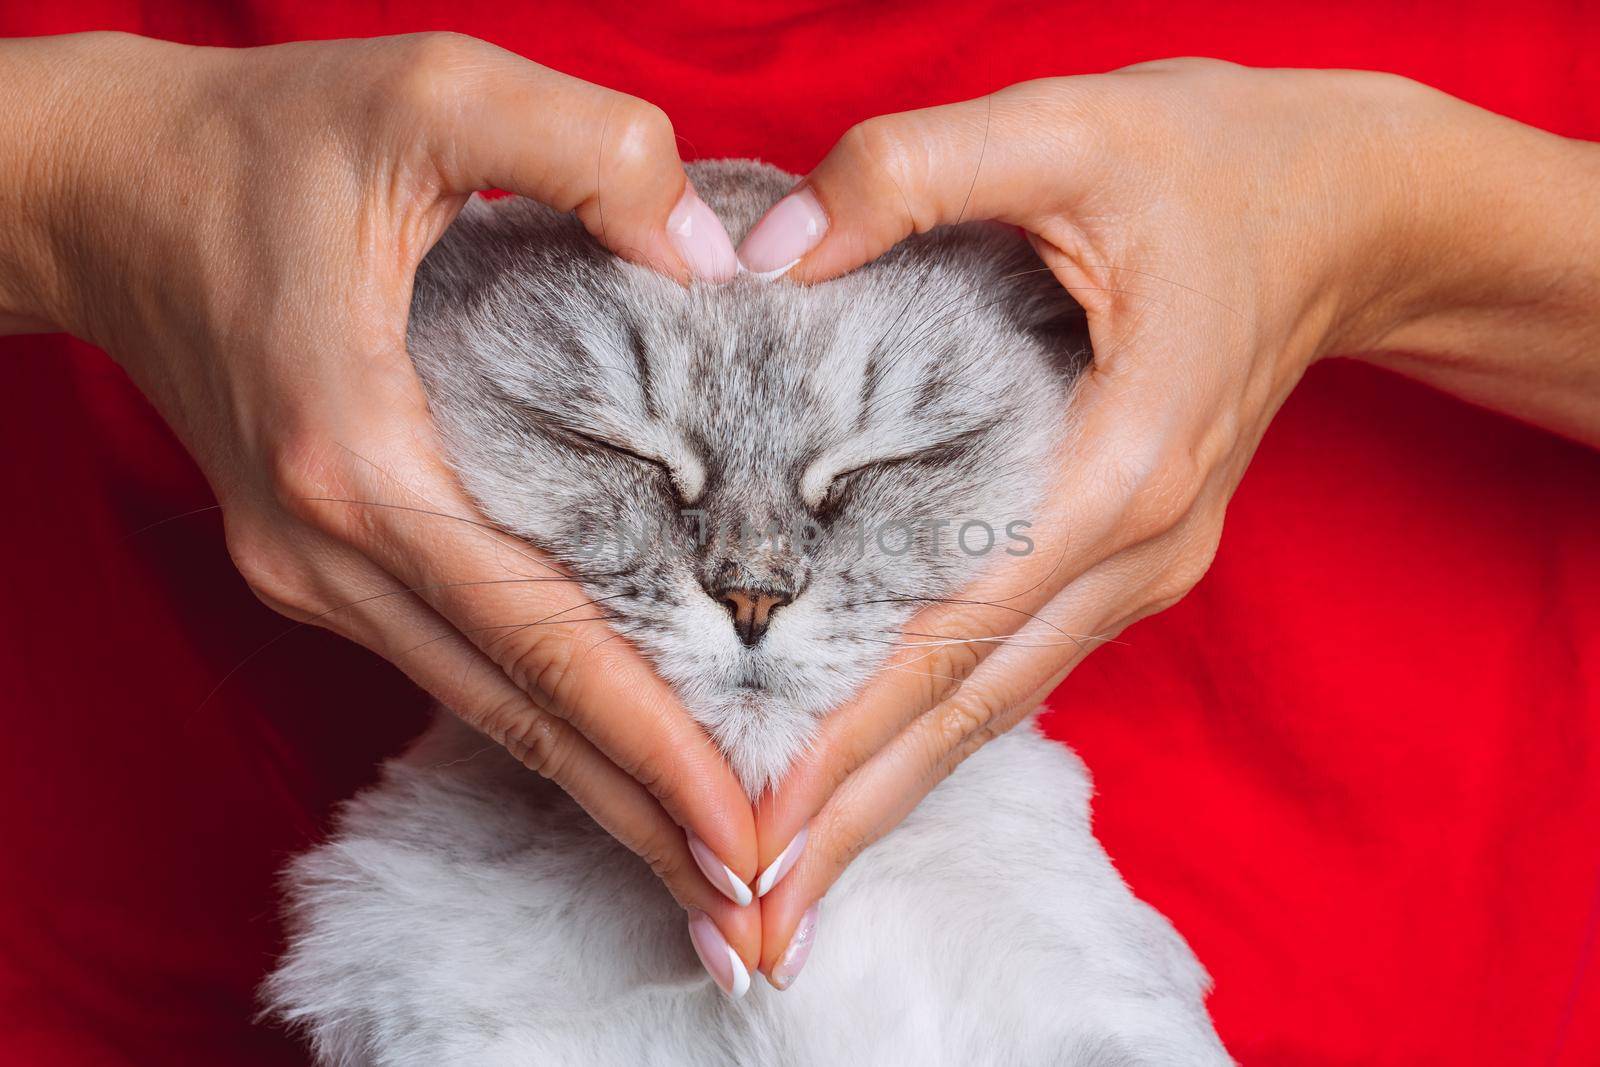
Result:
x=719 y=874
x=768 y=275
x=780 y=866
x=740 y=891
x=741 y=976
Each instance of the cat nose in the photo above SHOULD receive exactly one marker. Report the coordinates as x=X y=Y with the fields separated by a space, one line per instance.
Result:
x=751 y=610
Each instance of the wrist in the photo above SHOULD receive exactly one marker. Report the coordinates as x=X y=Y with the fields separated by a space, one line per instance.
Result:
x=1494 y=277
x=33 y=80
x=1502 y=216
x=86 y=111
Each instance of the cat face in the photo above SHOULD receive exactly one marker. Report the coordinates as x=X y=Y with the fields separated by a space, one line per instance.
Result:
x=757 y=482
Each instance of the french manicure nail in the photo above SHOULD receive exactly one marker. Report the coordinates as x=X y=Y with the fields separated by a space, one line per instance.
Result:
x=783 y=864
x=697 y=234
x=721 y=962
x=794 y=957
x=718 y=873
x=788 y=231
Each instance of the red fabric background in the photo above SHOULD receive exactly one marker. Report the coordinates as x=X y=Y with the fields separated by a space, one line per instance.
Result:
x=1357 y=767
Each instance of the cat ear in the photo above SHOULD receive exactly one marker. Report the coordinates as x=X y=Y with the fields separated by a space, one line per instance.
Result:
x=1047 y=312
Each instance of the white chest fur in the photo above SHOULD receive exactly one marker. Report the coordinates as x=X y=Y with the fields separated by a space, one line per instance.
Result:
x=468 y=913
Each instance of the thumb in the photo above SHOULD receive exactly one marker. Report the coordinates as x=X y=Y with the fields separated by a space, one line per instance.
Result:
x=498 y=120
x=996 y=157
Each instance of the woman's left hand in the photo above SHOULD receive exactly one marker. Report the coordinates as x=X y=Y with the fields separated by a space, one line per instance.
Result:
x=1223 y=228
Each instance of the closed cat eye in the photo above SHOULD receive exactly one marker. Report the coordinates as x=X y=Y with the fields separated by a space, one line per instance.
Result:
x=839 y=485
x=932 y=454
x=940 y=451
x=600 y=444
x=685 y=488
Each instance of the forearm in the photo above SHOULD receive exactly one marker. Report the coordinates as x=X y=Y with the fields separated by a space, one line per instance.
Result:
x=33 y=81
x=108 y=136
x=1504 y=304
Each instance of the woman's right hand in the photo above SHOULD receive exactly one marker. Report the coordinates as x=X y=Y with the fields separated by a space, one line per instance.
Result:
x=240 y=230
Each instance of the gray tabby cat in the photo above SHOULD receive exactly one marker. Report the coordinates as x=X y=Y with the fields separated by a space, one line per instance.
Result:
x=748 y=477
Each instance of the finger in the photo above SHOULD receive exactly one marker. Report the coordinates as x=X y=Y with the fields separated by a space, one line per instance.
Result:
x=542 y=632
x=896 y=175
x=1083 y=521
x=1143 y=458
x=400 y=626
x=938 y=649
x=887 y=787
x=462 y=677
x=496 y=119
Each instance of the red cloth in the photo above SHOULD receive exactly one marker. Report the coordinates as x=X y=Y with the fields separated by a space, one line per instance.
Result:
x=1357 y=767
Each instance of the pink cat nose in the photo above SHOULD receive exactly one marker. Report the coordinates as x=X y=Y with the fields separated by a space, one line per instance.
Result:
x=751 y=610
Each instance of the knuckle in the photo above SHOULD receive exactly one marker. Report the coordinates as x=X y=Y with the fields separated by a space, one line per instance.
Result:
x=854 y=750
x=846 y=839
x=298 y=481
x=275 y=577
x=1165 y=496
x=1184 y=572
x=1191 y=63
x=640 y=134
x=883 y=144
x=544 y=665
x=538 y=742
x=966 y=717
x=428 y=72
x=441 y=52
x=656 y=779
x=662 y=852
x=953 y=665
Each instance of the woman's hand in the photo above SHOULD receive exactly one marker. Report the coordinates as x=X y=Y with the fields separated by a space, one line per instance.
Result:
x=240 y=230
x=1223 y=228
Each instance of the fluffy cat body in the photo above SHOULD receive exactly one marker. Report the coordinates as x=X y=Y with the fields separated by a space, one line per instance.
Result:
x=467 y=912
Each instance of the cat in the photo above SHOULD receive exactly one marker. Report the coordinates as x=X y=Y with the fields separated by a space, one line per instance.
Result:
x=681 y=448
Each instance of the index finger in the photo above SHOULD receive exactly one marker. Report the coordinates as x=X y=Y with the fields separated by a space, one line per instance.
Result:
x=1115 y=487
x=539 y=626
x=945 y=642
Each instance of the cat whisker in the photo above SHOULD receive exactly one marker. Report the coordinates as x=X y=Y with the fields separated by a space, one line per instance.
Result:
x=311 y=621
x=901 y=348
x=500 y=535
x=618 y=631
x=910 y=669
x=499 y=626
x=941 y=640
x=1230 y=309
x=1013 y=640
x=170 y=518
x=890 y=340
x=556 y=618
x=950 y=320
x=1000 y=604
x=435 y=588
x=470 y=757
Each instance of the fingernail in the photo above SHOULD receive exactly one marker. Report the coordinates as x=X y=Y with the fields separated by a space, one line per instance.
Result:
x=794 y=957
x=697 y=234
x=783 y=864
x=721 y=962
x=718 y=873
x=788 y=231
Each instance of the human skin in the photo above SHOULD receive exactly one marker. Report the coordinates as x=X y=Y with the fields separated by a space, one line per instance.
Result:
x=239 y=229
x=1224 y=228
x=191 y=211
